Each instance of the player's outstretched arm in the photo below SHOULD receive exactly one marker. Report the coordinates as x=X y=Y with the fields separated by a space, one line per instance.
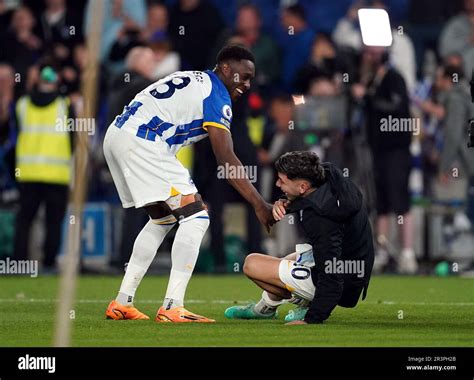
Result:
x=223 y=148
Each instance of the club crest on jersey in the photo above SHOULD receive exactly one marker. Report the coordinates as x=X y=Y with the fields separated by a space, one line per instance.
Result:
x=227 y=111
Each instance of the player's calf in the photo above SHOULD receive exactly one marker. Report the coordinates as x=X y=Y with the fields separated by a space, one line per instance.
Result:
x=193 y=220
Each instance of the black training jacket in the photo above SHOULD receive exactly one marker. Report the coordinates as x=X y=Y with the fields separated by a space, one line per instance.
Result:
x=337 y=226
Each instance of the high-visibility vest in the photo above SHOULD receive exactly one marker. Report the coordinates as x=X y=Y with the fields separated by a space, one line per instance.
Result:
x=43 y=152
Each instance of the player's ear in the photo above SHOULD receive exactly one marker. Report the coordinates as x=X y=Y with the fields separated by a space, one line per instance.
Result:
x=304 y=187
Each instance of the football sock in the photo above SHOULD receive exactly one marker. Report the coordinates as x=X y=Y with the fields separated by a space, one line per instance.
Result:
x=266 y=305
x=144 y=250
x=184 y=254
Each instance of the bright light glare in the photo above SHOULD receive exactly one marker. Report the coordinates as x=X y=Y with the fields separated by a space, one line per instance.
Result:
x=375 y=27
x=298 y=99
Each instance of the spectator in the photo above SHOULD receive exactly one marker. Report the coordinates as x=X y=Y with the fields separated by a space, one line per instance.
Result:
x=386 y=99
x=248 y=28
x=425 y=22
x=457 y=37
x=296 y=41
x=8 y=130
x=60 y=29
x=21 y=48
x=71 y=74
x=322 y=66
x=43 y=156
x=6 y=12
x=194 y=27
x=166 y=61
x=137 y=75
x=402 y=54
x=457 y=111
x=120 y=17
x=156 y=24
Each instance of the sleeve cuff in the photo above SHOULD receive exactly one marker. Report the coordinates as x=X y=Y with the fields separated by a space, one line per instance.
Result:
x=213 y=124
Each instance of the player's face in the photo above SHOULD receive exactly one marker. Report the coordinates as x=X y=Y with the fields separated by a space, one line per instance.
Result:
x=238 y=78
x=292 y=188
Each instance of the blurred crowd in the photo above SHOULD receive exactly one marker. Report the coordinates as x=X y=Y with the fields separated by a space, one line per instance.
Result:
x=317 y=87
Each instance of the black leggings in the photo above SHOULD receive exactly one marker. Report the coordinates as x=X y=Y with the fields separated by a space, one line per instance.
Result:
x=32 y=196
x=351 y=293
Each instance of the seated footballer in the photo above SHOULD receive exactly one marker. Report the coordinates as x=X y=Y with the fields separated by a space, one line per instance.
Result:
x=334 y=267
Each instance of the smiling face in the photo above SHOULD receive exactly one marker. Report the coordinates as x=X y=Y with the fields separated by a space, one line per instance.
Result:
x=237 y=76
x=292 y=188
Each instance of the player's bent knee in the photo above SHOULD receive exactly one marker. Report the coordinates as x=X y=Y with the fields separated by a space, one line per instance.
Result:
x=250 y=264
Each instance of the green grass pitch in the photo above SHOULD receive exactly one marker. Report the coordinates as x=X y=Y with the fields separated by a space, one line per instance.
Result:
x=399 y=311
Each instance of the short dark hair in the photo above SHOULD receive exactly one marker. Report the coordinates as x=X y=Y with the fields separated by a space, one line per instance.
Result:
x=301 y=165
x=296 y=10
x=234 y=53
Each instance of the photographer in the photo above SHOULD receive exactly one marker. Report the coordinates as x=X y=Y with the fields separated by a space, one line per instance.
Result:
x=385 y=97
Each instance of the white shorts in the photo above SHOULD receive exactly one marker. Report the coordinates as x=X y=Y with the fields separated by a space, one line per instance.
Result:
x=297 y=276
x=144 y=171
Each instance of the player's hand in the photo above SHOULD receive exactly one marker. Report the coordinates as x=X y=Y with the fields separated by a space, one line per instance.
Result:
x=293 y=323
x=264 y=215
x=279 y=209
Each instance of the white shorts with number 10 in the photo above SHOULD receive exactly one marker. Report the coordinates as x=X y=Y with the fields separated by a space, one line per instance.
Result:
x=296 y=275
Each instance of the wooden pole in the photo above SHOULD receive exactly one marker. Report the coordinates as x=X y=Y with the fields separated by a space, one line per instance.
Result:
x=67 y=289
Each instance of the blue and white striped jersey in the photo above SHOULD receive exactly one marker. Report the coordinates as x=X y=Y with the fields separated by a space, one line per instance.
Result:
x=178 y=109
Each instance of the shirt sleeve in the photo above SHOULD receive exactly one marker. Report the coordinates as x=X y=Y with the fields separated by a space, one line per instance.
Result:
x=217 y=111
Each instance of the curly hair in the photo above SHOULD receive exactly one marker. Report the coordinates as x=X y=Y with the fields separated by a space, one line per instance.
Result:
x=301 y=165
x=234 y=53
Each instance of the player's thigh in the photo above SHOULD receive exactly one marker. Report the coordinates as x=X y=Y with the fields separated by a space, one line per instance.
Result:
x=157 y=210
x=263 y=268
x=114 y=144
x=154 y=174
x=162 y=209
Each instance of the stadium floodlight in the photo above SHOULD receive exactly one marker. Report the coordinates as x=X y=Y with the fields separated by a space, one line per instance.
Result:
x=298 y=99
x=375 y=27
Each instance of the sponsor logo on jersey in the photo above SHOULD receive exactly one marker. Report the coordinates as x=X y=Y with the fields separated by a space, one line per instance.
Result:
x=225 y=122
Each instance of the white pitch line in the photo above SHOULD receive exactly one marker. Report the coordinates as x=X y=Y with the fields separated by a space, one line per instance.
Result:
x=228 y=302
x=50 y=300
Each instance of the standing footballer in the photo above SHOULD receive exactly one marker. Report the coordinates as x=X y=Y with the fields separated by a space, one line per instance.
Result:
x=140 y=148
